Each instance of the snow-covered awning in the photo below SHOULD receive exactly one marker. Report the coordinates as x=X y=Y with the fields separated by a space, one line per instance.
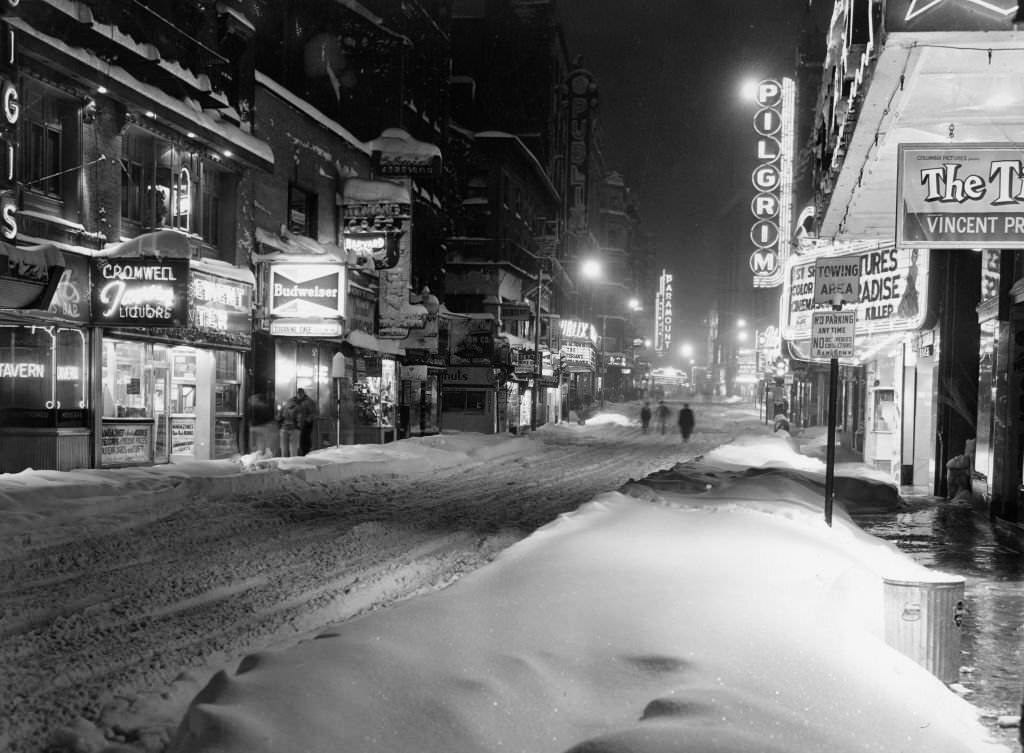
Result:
x=161 y=244
x=366 y=341
x=359 y=189
x=296 y=249
x=183 y=114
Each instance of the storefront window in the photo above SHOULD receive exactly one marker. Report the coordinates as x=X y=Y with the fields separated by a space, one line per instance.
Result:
x=464 y=401
x=375 y=391
x=885 y=410
x=127 y=379
x=228 y=390
x=43 y=376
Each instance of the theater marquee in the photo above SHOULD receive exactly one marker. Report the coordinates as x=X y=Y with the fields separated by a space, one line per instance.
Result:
x=966 y=196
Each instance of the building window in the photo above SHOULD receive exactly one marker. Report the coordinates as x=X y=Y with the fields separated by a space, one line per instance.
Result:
x=43 y=170
x=48 y=147
x=302 y=212
x=166 y=186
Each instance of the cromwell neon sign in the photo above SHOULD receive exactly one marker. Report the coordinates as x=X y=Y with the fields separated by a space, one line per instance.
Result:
x=144 y=292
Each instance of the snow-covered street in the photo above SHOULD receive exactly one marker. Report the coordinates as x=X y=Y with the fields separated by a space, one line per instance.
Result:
x=123 y=591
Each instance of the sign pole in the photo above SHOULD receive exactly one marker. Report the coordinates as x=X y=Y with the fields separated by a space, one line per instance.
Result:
x=830 y=453
x=836 y=279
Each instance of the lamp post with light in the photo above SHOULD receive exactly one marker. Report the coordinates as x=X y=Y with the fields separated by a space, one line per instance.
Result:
x=592 y=270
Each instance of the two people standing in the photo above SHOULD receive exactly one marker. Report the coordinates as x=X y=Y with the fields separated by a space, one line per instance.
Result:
x=296 y=418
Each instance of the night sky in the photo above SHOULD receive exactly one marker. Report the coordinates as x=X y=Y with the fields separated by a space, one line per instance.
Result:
x=674 y=123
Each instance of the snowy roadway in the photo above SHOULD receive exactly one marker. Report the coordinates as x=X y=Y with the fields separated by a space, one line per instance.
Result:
x=117 y=603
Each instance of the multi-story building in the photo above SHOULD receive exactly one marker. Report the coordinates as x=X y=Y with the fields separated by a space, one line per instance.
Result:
x=356 y=106
x=125 y=294
x=916 y=116
x=500 y=263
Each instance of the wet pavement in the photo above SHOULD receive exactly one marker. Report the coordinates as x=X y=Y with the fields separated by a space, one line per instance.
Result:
x=957 y=537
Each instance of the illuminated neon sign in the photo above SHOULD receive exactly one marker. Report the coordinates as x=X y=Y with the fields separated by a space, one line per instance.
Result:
x=141 y=292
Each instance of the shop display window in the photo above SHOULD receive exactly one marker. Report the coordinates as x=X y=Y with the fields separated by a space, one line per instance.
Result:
x=43 y=376
x=464 y=401
x=228 y=386
x=885 y=413
x=375 y=396
x=128 y=380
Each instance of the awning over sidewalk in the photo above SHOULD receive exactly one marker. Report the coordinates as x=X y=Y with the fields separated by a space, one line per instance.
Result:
x=359 y=339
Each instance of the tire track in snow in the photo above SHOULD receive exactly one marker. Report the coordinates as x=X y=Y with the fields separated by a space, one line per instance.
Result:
x=219 y=578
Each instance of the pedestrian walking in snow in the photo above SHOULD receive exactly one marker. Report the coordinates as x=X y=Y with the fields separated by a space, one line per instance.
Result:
x=645 y=417
x=663 y=414
x=686 y=421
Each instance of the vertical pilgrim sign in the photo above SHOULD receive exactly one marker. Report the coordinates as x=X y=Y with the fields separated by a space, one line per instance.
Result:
x=836 y=281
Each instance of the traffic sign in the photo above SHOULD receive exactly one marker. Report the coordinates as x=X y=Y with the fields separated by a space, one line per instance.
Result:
x=837 y=280
x=832 y=334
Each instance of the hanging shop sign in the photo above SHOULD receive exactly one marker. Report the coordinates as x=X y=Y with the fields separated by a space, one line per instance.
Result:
x=72 y=298
x=362 y=309
x=397 y=153
x=29 y=277
x=372 y=209
x=893 y=292
x=307 y=290
x=574 y=358
x=142 y=292
x=966 y=196
x=319 y=328
x=576 y=331
x=471 y=341
x=377 y=217
x=219 y=304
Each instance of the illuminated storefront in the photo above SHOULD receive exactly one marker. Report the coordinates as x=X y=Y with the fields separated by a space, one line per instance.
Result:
x=171 y=358
x=304 y=299
x=885 y=403
x=471 y=399
x=577 y=358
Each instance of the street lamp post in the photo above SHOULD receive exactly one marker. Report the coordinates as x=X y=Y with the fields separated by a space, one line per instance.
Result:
x=601 y=369
x=591 y=269
x=536 y=346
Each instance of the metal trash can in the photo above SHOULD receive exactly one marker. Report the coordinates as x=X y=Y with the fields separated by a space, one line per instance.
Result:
x=924 y=620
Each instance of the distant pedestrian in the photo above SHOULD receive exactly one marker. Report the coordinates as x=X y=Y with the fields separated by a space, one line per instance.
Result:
x=645 y=417
x=686 y=421
x=663 y=414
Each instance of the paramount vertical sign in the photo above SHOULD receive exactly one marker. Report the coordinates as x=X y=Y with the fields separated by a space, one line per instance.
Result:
x=663 y=314
x=960 y=196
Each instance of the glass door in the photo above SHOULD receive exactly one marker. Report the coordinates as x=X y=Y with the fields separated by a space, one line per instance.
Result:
x=160 y=370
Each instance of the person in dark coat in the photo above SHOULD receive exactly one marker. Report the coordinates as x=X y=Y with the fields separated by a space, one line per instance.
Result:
x=306 y=419
x=645 y=417
x=663 y=414
x=686 y=421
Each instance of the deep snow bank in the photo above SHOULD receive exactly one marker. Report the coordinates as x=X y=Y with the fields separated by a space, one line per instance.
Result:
x=733 y=620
